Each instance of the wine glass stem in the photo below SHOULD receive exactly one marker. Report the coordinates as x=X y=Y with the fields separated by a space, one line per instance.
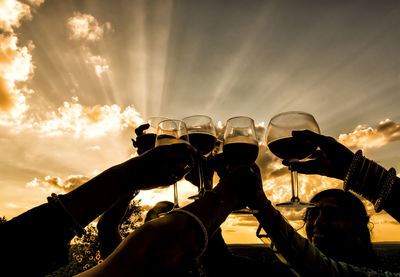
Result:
x=176 y=202
x=295 y=186
x=201 y=183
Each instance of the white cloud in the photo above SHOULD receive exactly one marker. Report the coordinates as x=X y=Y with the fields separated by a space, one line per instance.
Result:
x=11 y=13
x=12 y=205
x=367 y=137
x=85 y=27
x=52 y=184
x=77 y=120
x=99 y=63
x=15 y=62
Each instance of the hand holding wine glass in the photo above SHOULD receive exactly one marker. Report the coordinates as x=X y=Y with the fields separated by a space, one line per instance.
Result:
x=146 y=134
x=332 y=159
x=202 y=136
x=281 y=143
x=172 y=132
x=240 y=146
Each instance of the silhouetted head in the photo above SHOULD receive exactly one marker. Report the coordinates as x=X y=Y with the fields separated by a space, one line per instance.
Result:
x=338 y=226
x=159 y=208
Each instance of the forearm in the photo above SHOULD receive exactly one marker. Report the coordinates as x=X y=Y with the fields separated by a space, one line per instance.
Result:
x=305 y=258
x=168 y=244
x=370 y=180
x=214 y=202
x=95 y=196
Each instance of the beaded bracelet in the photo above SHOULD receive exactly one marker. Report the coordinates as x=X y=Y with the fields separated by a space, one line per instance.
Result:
x=202 y=227
x=357 y=158
x=385 y=190
x=74 y=225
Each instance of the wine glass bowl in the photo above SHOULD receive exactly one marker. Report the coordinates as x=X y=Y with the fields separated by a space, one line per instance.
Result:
x=147 y=139
x=283 y=145
x=202 y=136
x=202 y=133
x=171 y=132
x=240 y=146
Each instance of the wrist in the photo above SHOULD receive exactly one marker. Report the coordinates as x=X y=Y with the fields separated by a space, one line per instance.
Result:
x=129 y=174
x=227 y=197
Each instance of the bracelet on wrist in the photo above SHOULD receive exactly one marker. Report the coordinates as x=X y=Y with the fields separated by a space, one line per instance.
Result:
x=75 y=227
x=200 y=223
x=385 y=190
x=355 y=162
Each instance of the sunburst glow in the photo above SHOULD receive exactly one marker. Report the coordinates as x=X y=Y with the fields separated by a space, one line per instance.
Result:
x=76 y=78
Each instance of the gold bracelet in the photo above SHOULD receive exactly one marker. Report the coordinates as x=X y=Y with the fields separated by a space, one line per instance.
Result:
x=385 y=190
x=353 y=166
x=202 y=227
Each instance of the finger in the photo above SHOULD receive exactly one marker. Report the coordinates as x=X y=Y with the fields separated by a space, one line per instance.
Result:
x=324 y=142
x=139 y=130
x=308 y=167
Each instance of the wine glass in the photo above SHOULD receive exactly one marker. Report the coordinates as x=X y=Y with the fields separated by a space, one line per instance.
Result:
x=172 y=132
x=202 y=136
x=283 y=145
x=147 y=138
x=240 y=145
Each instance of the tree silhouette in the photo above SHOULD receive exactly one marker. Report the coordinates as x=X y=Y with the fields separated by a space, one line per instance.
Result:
x=84 y=252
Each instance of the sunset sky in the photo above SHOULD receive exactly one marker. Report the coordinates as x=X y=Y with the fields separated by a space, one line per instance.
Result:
x=77 y=76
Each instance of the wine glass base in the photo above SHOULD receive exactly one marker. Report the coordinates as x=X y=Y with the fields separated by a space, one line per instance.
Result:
x=245 y=211
x=295 y=205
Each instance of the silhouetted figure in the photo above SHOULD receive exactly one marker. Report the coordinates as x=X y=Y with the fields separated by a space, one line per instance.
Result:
x=365 y=177
x=338 y=226
x=39 y=238
x=159 y=209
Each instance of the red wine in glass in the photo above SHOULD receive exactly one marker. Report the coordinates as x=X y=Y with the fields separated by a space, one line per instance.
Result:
x=291 y=149
x=202 y=136
x=281 y=143
x=240 y=146
x=204 y=143
x=240 y=153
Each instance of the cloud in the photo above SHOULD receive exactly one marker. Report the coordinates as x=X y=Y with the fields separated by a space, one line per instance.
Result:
x=15 y=61
x=77 y=120
x=99 y=63
x=12 y=205
x=367 y=137
x=85 y=27
x=55 y=184
x=35 y=2
x=11 y=13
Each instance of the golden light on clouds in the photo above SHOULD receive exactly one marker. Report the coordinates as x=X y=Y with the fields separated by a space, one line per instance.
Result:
x=11 y=13
x=77 y=120
x=53 y=184
x=15 y=62
x=168 y=64
x=367 y=137
x=86 y=29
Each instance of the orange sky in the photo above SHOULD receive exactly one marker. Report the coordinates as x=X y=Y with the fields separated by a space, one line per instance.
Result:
x=76 y=78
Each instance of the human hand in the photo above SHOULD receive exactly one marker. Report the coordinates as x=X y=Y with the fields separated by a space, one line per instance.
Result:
x=332 y=159
x=208 y=172
x=108 y=225
x=163 y=165
x=241 y=186
x=143 y=141
x=219 y=164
